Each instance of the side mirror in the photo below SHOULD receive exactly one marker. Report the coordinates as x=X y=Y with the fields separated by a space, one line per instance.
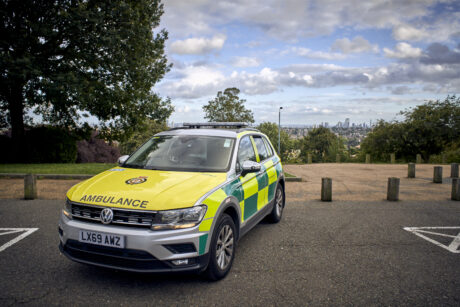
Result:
x=122 y=159
x=250 y=167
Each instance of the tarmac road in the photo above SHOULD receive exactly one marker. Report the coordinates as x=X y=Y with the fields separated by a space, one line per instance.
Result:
x=339 y=253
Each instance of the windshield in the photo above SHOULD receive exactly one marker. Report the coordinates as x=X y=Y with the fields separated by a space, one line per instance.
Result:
x=184 y=153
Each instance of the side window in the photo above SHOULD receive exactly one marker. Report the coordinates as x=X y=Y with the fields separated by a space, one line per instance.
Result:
x=261 y=149
x=245 y=152
x=269 y=148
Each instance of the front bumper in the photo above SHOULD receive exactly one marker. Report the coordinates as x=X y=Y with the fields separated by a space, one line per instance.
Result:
x=145 y=250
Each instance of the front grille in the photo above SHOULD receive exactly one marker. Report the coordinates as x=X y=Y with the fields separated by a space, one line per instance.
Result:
x=115 y=257
x=124 y=217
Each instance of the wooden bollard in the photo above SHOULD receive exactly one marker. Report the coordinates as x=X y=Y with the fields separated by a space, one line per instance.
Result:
x=437 y=174
x=326 y=189
x=454 y=170
x=368 y=158
x=392 y=158
x=455 y=189
x=418 y=159
x=337 y=158
x=30 y=186
x=411 y=170
x=309 y=159
x=393 y=189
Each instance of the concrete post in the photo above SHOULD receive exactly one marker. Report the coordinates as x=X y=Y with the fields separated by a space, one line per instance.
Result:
x=30 y=186
x=309 y=158
x=443 y=158
x=326 y=189
x=455 y=189
x=418 y=159
x=437 y=174
x=454 y=170
x=411 y=170
x=392 y=158
x=368 y=158
x=393 y=189
x=337 y=158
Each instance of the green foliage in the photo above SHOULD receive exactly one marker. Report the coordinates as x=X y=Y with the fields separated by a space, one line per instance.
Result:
x=228 y=107
x=271 y=131
x=68 y=59
x=143 y=132
x=384 y=139
x=48 y=144
x=323 y=145
x=428 y=129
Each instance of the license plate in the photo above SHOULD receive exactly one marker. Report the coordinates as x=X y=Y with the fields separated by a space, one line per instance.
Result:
x=100 y=238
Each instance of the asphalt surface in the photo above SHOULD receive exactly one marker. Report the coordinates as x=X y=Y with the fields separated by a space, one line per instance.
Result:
x=339 y=253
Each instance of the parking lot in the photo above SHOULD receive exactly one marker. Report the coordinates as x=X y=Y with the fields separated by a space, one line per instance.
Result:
x=350 y=251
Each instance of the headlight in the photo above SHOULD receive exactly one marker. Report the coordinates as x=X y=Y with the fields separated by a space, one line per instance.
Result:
x=179 y=219
x=67 y=211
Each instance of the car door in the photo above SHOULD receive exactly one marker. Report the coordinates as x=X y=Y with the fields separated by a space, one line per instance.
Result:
x=265 y=176
x=249 y=182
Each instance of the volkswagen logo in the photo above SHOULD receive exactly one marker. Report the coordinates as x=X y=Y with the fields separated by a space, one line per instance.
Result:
x=106 y=216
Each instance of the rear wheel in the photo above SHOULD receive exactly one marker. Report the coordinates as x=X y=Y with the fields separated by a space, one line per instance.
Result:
x=222 y=249
x=277 y=212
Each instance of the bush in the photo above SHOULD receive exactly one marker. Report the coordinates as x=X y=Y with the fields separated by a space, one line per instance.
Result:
x=49 y=144
x=5 y=152
x=96 y=150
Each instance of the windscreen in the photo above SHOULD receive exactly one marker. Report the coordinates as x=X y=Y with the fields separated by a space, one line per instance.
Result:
x=184 y=153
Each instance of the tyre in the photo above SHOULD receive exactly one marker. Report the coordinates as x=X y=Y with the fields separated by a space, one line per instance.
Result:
x=277 y=212
x=222 y=249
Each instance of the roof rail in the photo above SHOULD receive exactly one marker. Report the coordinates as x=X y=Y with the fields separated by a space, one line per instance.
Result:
x=232 y=125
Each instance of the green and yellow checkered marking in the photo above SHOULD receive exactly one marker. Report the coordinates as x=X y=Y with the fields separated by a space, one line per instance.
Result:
x=253 y=193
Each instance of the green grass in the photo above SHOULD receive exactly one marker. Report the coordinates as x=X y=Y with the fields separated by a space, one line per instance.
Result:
x=288 y=175
x=57 y=168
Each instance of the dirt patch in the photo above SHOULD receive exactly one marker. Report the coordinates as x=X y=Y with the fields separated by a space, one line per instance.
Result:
x=360 y=182
x=46 y=188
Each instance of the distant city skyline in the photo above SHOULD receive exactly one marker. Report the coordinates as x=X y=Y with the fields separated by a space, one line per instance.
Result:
x=322 y=61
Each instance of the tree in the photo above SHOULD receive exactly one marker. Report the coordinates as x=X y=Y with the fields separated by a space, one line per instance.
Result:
x=67 y=59
x=228 y=107
x=143 y=132
x=271 y=130
x=386 y=138
x=427 y=129
x=322 y=144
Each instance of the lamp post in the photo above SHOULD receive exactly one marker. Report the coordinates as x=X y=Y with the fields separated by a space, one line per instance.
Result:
x=279 y=131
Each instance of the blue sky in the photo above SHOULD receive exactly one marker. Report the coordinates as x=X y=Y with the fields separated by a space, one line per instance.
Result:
x=322 y=61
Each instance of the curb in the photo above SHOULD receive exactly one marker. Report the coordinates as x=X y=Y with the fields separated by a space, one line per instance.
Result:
x=46 y=176
x=293 y=179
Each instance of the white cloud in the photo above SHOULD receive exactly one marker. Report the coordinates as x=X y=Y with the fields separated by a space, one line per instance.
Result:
x=403 y=51
x=193 y=82
x=356 y=45
x=305 y=52
x=408 y=33
x=289 y=19
x=198 y=45
x=437 y=67
x=245 y=62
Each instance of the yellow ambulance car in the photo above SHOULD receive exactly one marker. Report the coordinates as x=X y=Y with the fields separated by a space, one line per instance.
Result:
x=179 y=203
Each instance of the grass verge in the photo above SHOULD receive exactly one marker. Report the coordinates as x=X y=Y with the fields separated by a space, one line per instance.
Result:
x=57 y=168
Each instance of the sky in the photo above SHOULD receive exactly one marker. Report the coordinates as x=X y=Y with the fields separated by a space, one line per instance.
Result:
x=322 y=61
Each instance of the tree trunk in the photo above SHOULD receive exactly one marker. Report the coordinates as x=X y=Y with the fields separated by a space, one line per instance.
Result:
x=16 y=109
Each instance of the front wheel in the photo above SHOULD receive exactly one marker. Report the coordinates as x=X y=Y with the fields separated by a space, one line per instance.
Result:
x=277 y=212
x=222 y=249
